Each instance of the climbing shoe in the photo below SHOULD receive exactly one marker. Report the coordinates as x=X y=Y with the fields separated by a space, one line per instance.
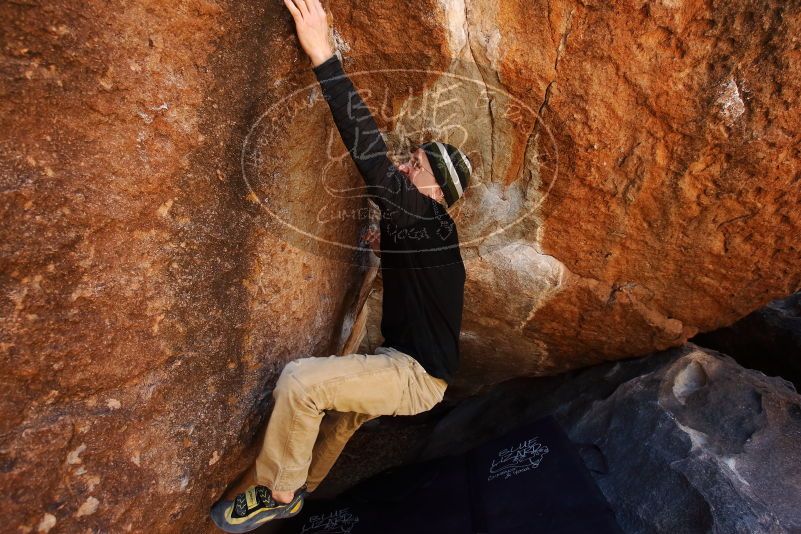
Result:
x=253 y=508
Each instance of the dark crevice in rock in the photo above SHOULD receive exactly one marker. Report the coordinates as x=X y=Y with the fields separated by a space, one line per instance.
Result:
x=490 y=100
x=768 y=340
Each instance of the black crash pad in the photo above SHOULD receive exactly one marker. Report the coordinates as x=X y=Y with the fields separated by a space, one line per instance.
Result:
x=530 y=480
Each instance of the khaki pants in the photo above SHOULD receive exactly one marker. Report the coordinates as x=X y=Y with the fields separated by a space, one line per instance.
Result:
x=321 y=401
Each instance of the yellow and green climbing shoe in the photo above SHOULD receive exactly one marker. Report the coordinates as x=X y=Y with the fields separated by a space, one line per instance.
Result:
x=253 y=508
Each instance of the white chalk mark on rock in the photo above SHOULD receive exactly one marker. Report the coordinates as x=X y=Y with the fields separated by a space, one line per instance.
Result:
x=47 y=522
x=340 y=42
x=731 y=463
x=698 y=439
x=74 y=457
x=730 y=102
x=88 y=507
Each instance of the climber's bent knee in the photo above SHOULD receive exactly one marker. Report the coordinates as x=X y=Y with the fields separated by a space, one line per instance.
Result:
x=288 y=383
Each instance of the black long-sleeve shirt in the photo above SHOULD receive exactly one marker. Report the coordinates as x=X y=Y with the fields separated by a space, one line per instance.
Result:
x=421 y=263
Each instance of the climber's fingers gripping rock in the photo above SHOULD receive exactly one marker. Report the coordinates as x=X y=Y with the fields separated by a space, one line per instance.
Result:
x=311 y=23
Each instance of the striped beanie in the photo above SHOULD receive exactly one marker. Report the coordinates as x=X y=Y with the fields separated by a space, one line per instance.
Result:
x=451 y=169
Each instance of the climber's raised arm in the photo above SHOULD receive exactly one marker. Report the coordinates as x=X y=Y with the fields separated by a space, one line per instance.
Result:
x=359 y=132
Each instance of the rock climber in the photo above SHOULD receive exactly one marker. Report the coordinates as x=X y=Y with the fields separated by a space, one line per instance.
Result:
x=321 y=401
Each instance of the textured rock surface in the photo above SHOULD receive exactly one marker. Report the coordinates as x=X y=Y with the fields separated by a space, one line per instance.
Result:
x=689 y=440
x=657 y=196
x=150 y=294
x=680 y=187
x=148 y=302
x=768 y=339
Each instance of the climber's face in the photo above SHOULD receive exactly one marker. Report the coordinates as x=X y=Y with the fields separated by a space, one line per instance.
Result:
x=418 y=169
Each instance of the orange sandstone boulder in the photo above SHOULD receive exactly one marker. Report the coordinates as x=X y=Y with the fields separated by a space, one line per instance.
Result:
x=637 y=175
x=179 y=215
x=149 y=294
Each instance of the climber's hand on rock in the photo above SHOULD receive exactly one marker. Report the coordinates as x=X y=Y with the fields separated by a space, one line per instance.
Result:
x=311 y=24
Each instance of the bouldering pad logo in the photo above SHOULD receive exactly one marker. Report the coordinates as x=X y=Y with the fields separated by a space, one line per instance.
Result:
x=339 y=521
x=516 y=460
x=297 y=169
